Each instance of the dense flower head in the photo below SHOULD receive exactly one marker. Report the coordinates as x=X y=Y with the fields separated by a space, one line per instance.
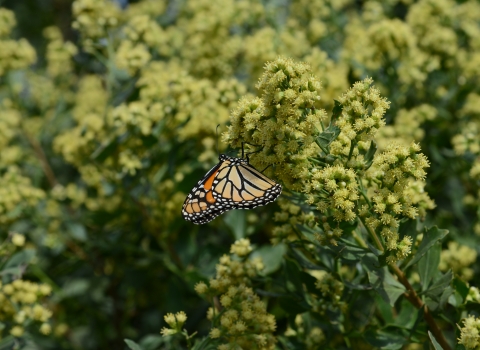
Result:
x=21 y=304
x=458 y=258
x=93 y=19
x=244 y=321
x=17 y=195
x=406 y=127
x=15 y=54
x=331 y=290
x=396 y=182
x=362 y=115
x=338 y=192
x=243 y=317
x=282 y=123
x=470 y=333
x=175 y=322
x=59 y=54
x=7 y=22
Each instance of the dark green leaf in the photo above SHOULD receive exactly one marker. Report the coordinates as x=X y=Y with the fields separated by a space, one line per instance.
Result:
x=309 y=282
x=132 y=345
x=149 y=140
x=272 y=257
x=235 y=220
x=293 y=281
x=303 y=261
x=293 y=306
x=382 y=339
x=428 y=265
x=325 y=138
x=104 y=151
x=430 y=237
x=337 y=110
x=436 y=345
x=408 y=228
x=439 y=286
x=461 y=287
x=369 y=155
x=381 y=280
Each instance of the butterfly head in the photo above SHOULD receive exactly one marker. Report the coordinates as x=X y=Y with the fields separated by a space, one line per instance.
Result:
x=233 y=160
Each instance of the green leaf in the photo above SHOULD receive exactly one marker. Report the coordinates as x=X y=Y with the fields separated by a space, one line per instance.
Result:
x=325 y=138
x=235 y=220
x=132 y=345
x=272 y=257
x=7 y=343
x=430 y=237
x=337 y=110
x=381 y=280
x=75 y=287
x=383 y=339
x=16 y=271
x=439 y=286
x=104 y=151
x=293 y=306
x=436 y=345
x=21 y=258
x=461 y=288
x=293 y=281
x=428 y=265
x=77 y=231
x=408 y=228
x=151 y=342
x=369 y=155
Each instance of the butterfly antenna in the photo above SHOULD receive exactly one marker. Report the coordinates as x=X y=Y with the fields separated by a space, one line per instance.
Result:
x=243 y=153
x=216 y=132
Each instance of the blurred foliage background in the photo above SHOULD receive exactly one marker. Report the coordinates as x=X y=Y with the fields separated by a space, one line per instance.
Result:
x=108 y=112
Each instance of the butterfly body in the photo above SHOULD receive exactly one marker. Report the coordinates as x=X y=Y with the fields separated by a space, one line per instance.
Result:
x=231 y=184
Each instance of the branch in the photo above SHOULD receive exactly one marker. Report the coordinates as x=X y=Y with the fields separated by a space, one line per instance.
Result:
x=37 y=148
x=415 y=300
x=412 y=296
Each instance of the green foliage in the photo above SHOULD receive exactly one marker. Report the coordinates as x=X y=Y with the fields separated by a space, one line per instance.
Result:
x=366 y=112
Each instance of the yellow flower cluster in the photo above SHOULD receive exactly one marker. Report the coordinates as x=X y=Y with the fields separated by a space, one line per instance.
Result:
x=282 y=123
x=313 y=336
x=406 y=127
x=204 y=37
x=331 y=289
x=94 y=18
x=458 y=258
x=243 y=319
x=14 y=54
x=17 y=194
x=470 y=333
x=473 y=295
x=362 y=116
x=59 y=53
x=175 y=322
x=20 y=305
x=338 y=191
x=177 y=98
x=288 y=218
x=389 y=178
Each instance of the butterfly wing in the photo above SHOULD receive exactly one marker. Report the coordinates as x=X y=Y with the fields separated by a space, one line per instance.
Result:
x=201 y=206
x=241 y=186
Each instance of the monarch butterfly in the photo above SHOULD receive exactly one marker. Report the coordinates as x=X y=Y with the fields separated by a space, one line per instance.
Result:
x=231 y=184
